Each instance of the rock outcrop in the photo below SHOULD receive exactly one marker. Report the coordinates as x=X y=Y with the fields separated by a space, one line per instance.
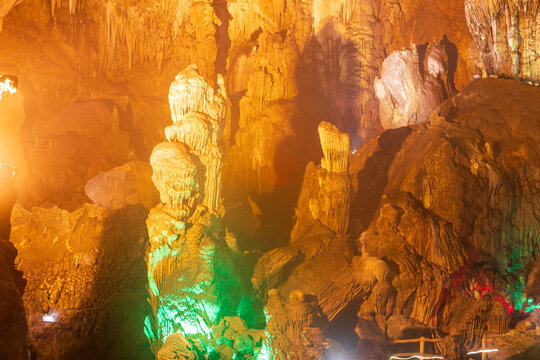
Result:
x=410 y=87
x=452 y=206
x=84 y=269
x=444 y=242
x=129 y=184
x=326 y=190
x=200 y=304
x=13 y=328
x=294 y=329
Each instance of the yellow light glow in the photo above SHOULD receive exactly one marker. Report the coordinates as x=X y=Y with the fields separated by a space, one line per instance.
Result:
x=11 y=167
x=7 y=86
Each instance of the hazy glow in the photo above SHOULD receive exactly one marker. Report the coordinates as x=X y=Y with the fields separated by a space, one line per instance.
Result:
x=13 y=168
x=7 y=86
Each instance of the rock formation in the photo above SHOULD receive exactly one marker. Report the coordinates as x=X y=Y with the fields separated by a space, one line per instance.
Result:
x=421 y=254
x=506 y=34
x=194 y=269
x=326 y=191
x=13 y=328
x=420 y=221
x=125 y=185
x=294 y=329
x=85 y=269
x=408 y=91
x=450 y=269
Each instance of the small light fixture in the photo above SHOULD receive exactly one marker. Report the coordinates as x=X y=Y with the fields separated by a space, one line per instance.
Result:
x=9 y=167
x=482 y=351
x=49 y=318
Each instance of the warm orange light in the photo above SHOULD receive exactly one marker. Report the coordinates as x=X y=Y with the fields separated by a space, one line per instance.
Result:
x=7 y=86
x=9 y=168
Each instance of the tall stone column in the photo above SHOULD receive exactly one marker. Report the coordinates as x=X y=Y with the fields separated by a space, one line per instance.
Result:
x=196 y=291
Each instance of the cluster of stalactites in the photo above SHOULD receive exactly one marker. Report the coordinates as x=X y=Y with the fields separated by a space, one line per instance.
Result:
x=247 y=16
x=72 y=5
x=331 y=10
x=150 y=26
x=198 y=113
x=506 y=33
x=336 y=148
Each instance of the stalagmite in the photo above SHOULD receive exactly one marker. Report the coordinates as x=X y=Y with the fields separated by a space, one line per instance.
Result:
x=336 y=148
x=326 y=191
x=189 y=256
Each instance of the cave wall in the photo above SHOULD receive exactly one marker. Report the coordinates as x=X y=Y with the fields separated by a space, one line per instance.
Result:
x=95 y=78
x=278 y=60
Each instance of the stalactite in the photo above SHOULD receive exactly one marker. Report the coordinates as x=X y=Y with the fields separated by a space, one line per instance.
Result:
x=132 y=32
x=510 y=52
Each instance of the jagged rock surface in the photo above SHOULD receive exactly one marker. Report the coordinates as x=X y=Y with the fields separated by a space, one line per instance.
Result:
x=453 y=202
x=444 y=239
x=13 y=328
x=280 y=58
x=506 y=34
x=406 y=94
x=326 y=190
x=85 y=268
x=129 y=184
x=294 y=330
x=289 y=65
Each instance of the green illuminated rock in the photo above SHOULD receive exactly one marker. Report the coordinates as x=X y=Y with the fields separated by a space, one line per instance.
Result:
x=196 y=281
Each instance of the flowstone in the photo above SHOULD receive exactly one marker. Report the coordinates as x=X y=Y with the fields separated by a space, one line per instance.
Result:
x=197 y=293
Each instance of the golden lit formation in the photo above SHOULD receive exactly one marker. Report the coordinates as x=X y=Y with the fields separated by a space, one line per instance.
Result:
x=270 y=180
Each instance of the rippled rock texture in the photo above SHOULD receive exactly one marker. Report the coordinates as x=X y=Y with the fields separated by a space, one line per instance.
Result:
x=85 y=268
x=421 y=219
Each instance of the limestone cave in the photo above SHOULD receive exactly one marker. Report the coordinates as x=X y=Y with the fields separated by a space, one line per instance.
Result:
x=269 y=179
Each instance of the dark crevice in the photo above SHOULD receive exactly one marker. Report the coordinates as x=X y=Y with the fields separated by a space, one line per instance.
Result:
x=373 y=178
x=222 y=36
x=235 y=114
